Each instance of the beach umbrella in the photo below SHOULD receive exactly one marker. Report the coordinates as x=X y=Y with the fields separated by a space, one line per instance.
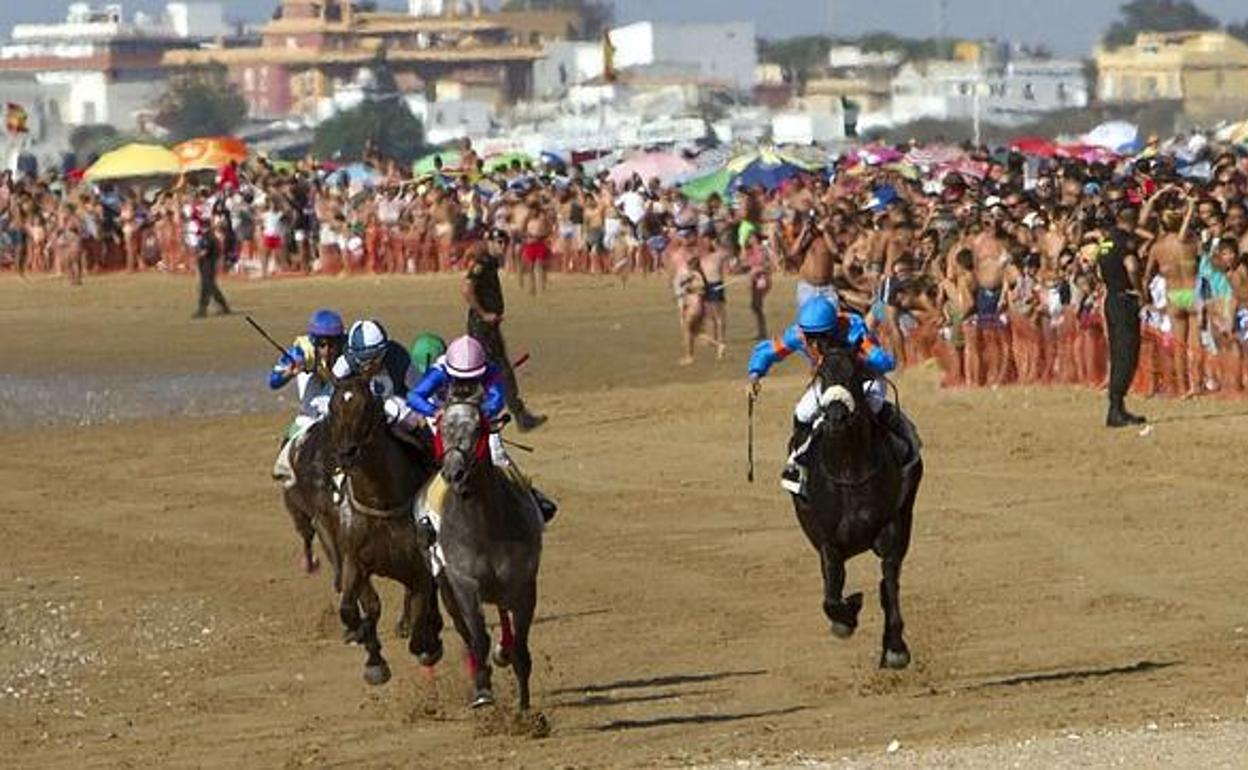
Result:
x=703 y=186
x=767 y=175
x=451 y=160
x=503 y=161
x=1116 y=135
x=931 y=155
x=132 y=161
x=356 y=175
x=210 y=152
x=1034 y=145
x=664 y=165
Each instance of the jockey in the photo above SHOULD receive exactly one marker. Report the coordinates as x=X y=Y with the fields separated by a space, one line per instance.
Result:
x=425 y=350
x=371 y=352
x=819 y=325
x=307 y=362
x=465 y=362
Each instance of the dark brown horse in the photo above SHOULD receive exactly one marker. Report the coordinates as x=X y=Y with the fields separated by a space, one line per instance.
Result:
x=860 y=496
x=491 y=541
x=376 y=533
x=310 y=500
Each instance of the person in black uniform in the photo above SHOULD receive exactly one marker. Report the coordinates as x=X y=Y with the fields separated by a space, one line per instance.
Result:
x=484 y=293
x=214 y=247
x=1119 y=269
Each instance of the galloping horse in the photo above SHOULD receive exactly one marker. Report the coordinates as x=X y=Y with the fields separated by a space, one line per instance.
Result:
x=860 y=496
x=491 y=543
x=310 y=501
x=377 y=534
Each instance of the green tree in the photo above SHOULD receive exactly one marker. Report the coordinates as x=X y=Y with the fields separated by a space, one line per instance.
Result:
x=1156 y=16
x=797 y=56
x=90 y=141
x=200 y=104
x=1239 y=31
x=384 y=125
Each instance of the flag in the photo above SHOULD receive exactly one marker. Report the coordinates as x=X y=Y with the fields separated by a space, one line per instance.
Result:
x=608 y=58
x=15 y=118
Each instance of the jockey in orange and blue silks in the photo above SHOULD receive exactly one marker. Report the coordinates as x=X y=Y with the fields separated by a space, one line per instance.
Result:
x=818 y=319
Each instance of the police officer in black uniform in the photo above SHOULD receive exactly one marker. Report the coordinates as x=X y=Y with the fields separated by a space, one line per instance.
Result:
x=484 y=293
x=215 y=247
x=1119 y=269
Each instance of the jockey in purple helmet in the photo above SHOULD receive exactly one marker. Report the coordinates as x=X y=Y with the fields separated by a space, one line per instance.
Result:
x=307 y=362
x=820 y=326
x=465 y=362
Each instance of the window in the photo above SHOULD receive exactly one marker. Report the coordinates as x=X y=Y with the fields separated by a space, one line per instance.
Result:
x=88 y=112
x=1063 y=96
x=1029 y=93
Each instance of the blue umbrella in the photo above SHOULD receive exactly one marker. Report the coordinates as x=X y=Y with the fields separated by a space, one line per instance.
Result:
x=760 y=173
x=356 y=173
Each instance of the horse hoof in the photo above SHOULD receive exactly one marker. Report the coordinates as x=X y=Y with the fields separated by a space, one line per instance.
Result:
x=376 y=675
x=429 y=659
x=500 y=657
x=484 y=698
x=842 y=630
x=895 y=659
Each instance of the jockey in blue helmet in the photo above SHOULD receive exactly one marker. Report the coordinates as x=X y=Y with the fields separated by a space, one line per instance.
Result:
x=821 y=326
x=307 y=362
x=371 y=352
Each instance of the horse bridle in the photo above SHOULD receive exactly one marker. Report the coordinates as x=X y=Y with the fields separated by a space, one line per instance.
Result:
x=367 y=438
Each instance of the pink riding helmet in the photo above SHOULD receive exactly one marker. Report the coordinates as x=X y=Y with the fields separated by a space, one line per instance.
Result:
x=465 y=359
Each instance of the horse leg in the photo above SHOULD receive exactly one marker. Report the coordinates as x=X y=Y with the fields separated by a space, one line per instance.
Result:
x=522 y=661
x=348 y=604
x=425 y=642
x=470 y=622
x=501 y=656
x=403 y=628
x=307 y=531
x=842 y=612
x=891 y=547
x=895 y=653
x=376 y=670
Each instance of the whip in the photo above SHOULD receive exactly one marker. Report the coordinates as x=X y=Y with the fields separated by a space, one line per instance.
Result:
x=265 y=334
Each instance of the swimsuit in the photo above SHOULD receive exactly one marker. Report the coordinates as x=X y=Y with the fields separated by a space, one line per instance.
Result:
x=1182 y=299
x=715 y=292
x=988 y=305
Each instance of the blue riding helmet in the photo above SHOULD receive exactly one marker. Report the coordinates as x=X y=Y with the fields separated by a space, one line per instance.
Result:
x=817 y=316
x=325 y=323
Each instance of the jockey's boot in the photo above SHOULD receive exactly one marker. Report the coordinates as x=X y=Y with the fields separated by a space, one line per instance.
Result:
x=793 y=477
x=527 y=421
x=895 y=422
x=545 y=504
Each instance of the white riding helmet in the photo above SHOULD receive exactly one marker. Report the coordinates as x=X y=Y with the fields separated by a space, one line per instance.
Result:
x=366 y=342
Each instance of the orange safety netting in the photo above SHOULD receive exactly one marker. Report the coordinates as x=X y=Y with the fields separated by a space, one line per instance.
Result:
x=1071 y=350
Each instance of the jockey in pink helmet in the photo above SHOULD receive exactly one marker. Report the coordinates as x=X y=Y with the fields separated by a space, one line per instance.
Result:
x=465 y=362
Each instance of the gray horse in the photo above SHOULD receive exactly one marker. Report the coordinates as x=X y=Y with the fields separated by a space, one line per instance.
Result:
x=376 y=532
x=491 y=545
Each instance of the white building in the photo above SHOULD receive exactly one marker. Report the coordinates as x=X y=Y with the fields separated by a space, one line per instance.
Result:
x=851 y=56
x=566 y=64
x=1020 y=91
x=724 y=54
x=96 y=67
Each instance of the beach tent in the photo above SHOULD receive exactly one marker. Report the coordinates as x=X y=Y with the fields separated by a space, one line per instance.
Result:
x=133 y=161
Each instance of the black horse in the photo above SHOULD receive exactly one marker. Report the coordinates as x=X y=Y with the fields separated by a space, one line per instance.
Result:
x=376 y=534
x=491 y=541
x=860 y=494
